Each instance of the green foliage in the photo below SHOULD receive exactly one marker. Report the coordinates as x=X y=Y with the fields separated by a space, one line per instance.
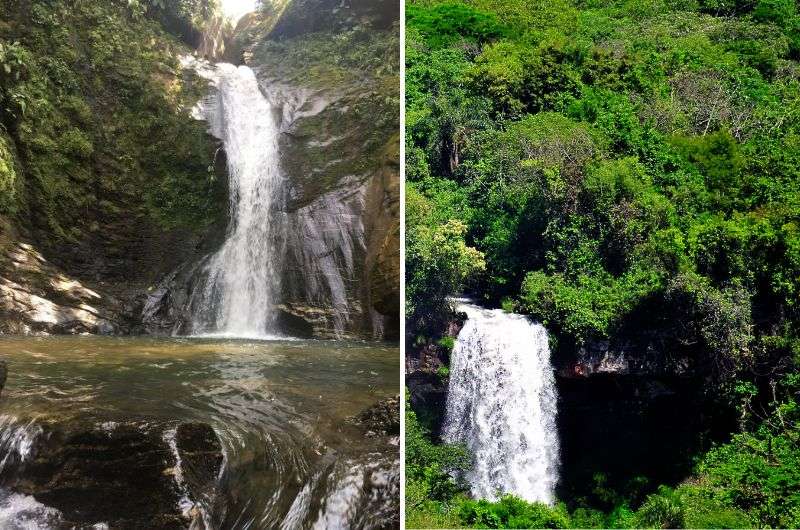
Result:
x=512 y=512
x=596 y=183
x=186 y=19
x=438 y=262
x=14 y=64
x=429 y=467
x=626 y=168
x=518 y=78
x=447 y=343
x=324 y=60
x=778 y=11
x=758 y=472
x=98 y=112
x=722 y=318
x=663 y=510
x=688 y=506
x=9 y=181
x=446 y=24
x=719 y=159
x=586 y=307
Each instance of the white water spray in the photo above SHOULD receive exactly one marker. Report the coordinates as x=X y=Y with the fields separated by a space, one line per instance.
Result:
x=241 y=281
x=236 y=9
x=502 y=405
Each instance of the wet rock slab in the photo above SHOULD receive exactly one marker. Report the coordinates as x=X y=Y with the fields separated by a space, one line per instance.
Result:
x=201 y=457
x=124 y=475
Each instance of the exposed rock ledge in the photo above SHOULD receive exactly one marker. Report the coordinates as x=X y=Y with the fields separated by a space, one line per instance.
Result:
x=123 y=475
x=41 y=299
x=634 y=355
x=381 y=419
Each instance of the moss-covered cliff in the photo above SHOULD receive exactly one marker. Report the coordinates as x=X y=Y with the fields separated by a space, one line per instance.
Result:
x=102 y=168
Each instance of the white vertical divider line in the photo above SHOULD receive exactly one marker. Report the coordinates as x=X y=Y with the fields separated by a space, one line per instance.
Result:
x=402 y=264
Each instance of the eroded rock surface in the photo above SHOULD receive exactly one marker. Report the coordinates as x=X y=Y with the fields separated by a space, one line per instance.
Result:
x=127 y=475
x=381 y=419
x=38 y=297
x=340 y=151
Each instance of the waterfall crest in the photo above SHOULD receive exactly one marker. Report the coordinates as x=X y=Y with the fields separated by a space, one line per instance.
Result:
x=240 y=284
x=502 y=404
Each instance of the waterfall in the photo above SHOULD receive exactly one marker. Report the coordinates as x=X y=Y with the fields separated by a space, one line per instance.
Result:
x=502 y=405
x=240 y=284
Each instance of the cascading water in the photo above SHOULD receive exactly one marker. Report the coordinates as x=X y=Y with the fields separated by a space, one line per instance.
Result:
x=502 y=405
x=237 y=293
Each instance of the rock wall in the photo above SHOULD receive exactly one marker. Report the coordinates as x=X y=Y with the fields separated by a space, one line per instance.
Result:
x=343 y=214
x=340 y=150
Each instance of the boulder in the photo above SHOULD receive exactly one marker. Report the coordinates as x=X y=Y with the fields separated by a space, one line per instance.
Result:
x=381 y=419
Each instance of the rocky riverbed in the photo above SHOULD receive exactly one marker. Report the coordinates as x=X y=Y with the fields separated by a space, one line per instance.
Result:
x=150 y=433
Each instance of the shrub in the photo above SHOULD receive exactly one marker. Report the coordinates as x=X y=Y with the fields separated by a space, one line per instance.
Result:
x=448 y=343
x=430 y=467
x=759 y=472
x=444 y=24
x=688 y=506
x=777 y=11
x=513 y=512
x=438 y=262
x=662 y=510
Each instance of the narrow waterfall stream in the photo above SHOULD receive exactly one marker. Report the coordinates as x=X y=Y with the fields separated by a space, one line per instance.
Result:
x=502 y=404
x=237 y=294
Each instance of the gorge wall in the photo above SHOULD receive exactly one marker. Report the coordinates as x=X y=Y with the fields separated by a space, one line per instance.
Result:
x=335 y=68
x=104 y=236
x=331 y=72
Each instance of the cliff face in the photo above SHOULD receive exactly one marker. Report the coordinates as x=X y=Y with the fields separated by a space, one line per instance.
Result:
x=334 y=70
x=332 y=73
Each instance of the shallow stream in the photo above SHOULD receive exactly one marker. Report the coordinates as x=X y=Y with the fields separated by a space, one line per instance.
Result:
x=88 y=424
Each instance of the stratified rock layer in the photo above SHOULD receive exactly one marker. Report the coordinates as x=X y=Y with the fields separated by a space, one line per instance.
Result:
x=127 y=475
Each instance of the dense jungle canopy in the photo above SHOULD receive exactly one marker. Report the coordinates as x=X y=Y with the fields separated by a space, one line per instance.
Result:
x=616 y=169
